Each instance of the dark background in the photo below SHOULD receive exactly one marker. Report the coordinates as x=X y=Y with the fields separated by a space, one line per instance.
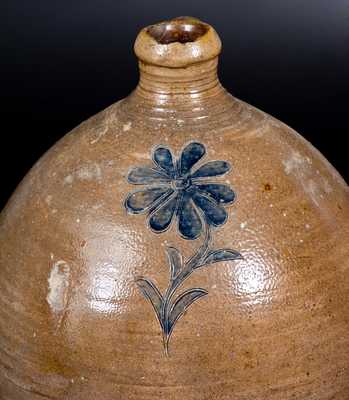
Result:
x=63 y=61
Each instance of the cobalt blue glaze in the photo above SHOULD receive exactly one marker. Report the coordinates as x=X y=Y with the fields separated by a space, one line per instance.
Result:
x=174 y=189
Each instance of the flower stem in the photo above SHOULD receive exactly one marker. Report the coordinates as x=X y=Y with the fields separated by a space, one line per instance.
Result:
x=189 y=268
x=165 y=340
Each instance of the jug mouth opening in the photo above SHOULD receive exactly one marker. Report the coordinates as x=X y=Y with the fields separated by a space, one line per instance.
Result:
x=181 y=30
x=177 y=43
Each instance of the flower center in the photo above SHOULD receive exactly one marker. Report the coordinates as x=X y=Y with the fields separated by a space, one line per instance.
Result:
x=182 y=183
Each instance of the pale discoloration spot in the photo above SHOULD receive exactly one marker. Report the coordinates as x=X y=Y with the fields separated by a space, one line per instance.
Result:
x=48 y=199
x=68 y=179
x=58 y=286
x=262 y=128
x=243 y=225
x=99 y=133
x=141 y=156
x=275 y=123
x=312 y=189
x=327 y=187
x=89 y=172
x=127 y=126
x=293 y=163
x=308 y=177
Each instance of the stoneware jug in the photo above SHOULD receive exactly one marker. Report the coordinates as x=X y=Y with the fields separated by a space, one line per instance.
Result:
x=181 y=244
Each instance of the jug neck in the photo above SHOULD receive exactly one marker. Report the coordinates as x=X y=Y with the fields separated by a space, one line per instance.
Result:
x=195 y=82
x=178 y=61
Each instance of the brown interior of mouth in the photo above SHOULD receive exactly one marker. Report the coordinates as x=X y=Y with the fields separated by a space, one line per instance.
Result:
x=181 y=30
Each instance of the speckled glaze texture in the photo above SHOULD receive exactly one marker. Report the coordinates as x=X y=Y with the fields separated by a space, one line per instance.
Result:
x=274 y=323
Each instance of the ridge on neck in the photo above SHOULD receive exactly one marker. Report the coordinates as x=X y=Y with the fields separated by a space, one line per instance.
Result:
x=178 y=63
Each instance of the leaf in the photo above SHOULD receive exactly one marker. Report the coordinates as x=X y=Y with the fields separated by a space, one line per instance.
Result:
x=175 y=261
x=220 y=255
x=151 y=292
x=182 y=302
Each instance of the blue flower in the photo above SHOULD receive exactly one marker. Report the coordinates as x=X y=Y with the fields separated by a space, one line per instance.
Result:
x=175 y=190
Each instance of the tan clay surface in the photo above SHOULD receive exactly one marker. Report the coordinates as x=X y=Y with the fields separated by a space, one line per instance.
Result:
x=272 y=322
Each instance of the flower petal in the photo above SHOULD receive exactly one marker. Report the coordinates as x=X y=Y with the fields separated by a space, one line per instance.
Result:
x=146 y=176
x=190 y=156
x=214 y=214
x=163 y=158
x=161 y=218
x=142 y=200
x=189 y=221
x=221 y=193
x=212 y=168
